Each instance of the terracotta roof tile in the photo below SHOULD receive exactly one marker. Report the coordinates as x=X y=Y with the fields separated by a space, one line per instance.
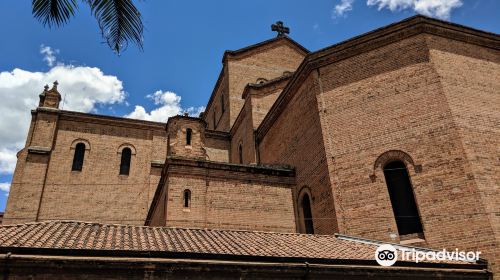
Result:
x=93 y=236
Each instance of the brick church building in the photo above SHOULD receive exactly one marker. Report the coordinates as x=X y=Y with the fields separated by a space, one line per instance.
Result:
x=302 y=161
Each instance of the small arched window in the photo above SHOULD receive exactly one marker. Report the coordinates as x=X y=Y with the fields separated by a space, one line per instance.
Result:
x=240 y=153
x=78 y=157
x=307 y=214
x=187 y=198
x=402 y=198
x=125 y=161
x=189 y=134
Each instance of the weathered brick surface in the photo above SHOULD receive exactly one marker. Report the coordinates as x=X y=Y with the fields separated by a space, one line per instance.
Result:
x=267 y=62
x=421 y=91
x=296 y=139
x=259 y=98
x=470 y=83
x=225 y=199
x=217 y=147
x=44 y=186
x=242 y=134
x=402 y=103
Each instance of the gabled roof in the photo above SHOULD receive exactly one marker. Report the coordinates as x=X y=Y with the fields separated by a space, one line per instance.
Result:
x=82 y=238
x=369 y=41
x=244 y=50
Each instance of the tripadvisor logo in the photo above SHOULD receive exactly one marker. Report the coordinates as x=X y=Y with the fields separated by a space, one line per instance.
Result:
x=386 y=255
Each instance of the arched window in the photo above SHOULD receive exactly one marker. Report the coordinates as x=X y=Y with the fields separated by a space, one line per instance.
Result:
x=125 y=161
x=240 y=153
x=78 y=157
x=307 y=214
x=187 y=198
x=189 y=134
x=402 y=198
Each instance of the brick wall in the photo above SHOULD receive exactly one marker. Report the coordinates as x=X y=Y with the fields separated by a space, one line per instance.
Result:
x=242 y=134
x=217 y=147
x=216 y=114
x=225 y=198
x=470 y=83
x=44 y=184
x=269 y=62
x=396 y=100
x=295 y=138
x=177 y=128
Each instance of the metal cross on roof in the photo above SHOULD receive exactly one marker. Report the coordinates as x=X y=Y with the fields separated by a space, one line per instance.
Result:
x=280 y=28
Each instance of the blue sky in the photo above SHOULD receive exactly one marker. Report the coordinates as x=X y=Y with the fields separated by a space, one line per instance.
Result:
x=183 y=45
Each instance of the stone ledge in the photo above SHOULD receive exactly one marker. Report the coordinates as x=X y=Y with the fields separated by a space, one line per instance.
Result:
x=157 y=163
x=39 y=150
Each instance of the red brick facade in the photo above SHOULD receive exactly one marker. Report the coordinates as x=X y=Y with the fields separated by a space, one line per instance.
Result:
x=283 y=125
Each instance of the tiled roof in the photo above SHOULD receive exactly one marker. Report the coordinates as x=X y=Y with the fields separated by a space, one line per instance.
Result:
x=127 y=238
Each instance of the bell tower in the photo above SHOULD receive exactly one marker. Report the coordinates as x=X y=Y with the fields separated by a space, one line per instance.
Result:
x=50 y=98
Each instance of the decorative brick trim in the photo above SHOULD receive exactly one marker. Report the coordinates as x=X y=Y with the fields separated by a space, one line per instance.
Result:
x=80 y=140
x=393 y=155
x=126 y=145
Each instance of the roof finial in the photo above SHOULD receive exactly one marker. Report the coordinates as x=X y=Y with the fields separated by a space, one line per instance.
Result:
x=46 y=87
x=280 y=28
x=55 y=84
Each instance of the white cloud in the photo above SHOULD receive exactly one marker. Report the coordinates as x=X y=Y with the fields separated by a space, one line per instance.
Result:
x=5 y=187
x=8 y=160
x=169 y=105
x=82 y=88
x=48 y=54
x=433 y=8
x=342 y=8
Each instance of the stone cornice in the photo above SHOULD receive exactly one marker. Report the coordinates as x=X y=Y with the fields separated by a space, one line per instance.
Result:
x=179 y=117
x=215 y=134
x=285 y=39
x=280 y=171
x=101 y=119
x=39 y=150
x=370 y=41
x=267 y=85
x=258 y=171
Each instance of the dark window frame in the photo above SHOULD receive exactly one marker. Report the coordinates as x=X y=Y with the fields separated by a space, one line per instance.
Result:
x=78 y=157
x=189 y=136
x=125 y=161
x=307 y=214
x=402 y=197
x=186 y=196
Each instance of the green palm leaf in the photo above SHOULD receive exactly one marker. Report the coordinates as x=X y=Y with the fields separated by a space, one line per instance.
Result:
x=53 y=12
x=120 y=21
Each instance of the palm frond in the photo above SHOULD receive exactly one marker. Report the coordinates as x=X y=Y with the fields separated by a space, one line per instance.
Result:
x=120 y=22
x=53 y=12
